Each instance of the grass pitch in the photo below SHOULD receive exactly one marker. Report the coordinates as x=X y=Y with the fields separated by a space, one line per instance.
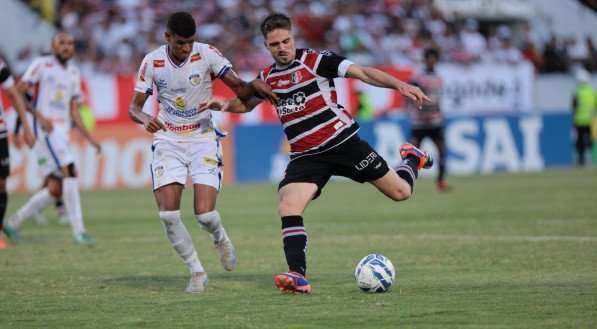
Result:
x=498 y=251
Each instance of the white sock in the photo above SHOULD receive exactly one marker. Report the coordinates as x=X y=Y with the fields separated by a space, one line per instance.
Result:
x=212 y=223
x=72 y=203
x=38 y=202
x=181 y=240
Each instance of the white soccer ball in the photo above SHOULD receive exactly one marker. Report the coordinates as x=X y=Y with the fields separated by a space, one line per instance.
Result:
x=374 y=273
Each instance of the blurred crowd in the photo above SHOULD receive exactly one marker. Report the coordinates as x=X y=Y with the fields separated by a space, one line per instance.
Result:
x=113 y=36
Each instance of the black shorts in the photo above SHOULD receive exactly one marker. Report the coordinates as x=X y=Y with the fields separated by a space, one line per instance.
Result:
x=354 y=159
x=436 y=134
x=4 y=159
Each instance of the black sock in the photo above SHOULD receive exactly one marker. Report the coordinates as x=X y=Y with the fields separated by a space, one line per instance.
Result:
x=295 y=243
x=3 y=201
x=408 y=171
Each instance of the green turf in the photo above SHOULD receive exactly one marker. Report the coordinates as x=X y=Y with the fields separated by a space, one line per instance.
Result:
x=498 y=251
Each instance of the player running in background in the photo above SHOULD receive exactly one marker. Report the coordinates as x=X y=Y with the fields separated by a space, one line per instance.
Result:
x=186 y=142
x=428 y=121
x=322 y=135
x=56 y=110
x=8 y=84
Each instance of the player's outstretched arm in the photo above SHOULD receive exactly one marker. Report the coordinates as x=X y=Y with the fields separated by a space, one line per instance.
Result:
x=152 y=124
x=378 y=78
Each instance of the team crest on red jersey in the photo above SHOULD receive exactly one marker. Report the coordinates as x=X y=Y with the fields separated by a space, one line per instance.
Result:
x=296 y=77
x=159 y=63
x=195 y=57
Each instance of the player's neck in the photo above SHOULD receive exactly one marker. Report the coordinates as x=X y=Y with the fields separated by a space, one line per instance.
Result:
x=61 y=61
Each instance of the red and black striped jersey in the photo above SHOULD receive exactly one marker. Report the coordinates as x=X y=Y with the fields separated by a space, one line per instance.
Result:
x=6 y=81
x=308 y=108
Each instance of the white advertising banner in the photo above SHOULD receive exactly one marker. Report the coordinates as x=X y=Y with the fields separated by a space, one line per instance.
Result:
x=486 y=88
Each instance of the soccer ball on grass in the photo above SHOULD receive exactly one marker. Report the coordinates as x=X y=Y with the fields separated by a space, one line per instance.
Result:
x=374 y=273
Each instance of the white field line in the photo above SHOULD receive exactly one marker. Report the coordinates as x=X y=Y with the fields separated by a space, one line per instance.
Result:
x=525 y=238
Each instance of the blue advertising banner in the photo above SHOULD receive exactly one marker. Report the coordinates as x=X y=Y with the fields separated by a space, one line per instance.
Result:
x=476 y=144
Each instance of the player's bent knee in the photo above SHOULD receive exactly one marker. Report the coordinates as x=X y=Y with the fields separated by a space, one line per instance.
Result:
x=401 y=195
x=170 y=217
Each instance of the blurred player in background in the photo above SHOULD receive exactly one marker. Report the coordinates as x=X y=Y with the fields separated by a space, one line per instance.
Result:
x=186 y=142
x=8 y=84
x=429 y=121
x=323 y=136
x=57 y=83
x=584 y=104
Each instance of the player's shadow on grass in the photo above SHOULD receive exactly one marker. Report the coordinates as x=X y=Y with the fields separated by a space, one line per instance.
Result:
x=174 y=283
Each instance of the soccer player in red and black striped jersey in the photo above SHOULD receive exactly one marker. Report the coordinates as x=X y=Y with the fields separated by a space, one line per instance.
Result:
x=322 y=134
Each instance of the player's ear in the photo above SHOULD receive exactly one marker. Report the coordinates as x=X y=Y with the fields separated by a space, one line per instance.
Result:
x=167 y=36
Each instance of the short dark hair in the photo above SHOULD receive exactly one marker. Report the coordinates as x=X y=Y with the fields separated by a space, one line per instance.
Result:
x=182 y=24
x=431 y=52
x=273 y=21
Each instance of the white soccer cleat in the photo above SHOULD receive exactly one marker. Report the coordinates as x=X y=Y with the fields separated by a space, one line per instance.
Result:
x=197 y=283
x=227 y=253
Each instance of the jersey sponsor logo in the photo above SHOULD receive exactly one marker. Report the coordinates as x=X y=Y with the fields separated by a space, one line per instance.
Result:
x=180 y=103
x=292 y=105
x=338 y=125
x=283 y=83
x=321 y=52
x=195 y=57
x=367 y=161
x=159 y=63
x=161 y=84
x=184 y=129
x=142 y=74
x=195 y=79
x=210 y=161
x=296 y=77
x=179 y=90
x=182 y=113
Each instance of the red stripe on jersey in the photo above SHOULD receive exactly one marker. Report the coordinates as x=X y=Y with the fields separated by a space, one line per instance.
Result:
x=310 y=60
x=266 y=71
x=315 y=139
x=288 y=80
x=311 y=106
x=334 y=96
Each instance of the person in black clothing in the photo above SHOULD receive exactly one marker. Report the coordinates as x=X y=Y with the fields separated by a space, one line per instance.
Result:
x=322 y=135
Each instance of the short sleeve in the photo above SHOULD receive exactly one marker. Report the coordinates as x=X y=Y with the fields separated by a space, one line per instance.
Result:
x=6 y=79
x=144 y=83
x=332 y=65
x=218 y=64
x=76 y=88
x=33 y=72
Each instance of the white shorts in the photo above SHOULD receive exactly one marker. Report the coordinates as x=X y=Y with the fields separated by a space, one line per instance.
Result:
x=54 y=151
x=200 y=159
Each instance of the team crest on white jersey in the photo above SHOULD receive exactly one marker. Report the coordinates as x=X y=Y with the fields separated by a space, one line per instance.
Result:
x=159 y=171
x=195 y=79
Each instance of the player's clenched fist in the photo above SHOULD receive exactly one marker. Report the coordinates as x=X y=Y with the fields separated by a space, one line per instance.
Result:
x=152 y=124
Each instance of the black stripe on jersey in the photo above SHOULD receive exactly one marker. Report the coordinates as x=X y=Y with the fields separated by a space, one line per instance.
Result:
x=292 y=65
x=307 y=124
x=4 y=74
x=308 y=89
